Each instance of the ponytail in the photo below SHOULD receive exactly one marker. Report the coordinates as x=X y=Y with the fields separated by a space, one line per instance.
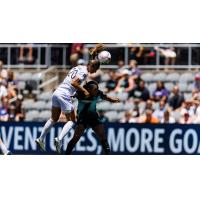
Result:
x=94 y=51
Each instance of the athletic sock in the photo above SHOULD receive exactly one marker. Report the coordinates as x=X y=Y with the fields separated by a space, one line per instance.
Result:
x=3 y=148
x=67 y=127
x=105 y=146
x=46 y=129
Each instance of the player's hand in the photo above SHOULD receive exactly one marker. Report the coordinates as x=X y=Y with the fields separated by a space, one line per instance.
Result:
x=116 y=100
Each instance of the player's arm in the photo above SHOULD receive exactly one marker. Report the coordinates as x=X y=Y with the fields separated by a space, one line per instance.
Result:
x=108 y=98
x=76 y=84
x=118 y=86
x=112 y=99
x=131 y=84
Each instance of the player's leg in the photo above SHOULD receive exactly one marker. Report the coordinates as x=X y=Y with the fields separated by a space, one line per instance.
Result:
x=99 y=130
x=71 y=118
x=68 y=109
x=55 y=114
x=77 y=134
x=3 y=148
x=67 y=127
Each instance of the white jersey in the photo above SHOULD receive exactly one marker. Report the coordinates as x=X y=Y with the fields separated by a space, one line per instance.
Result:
x=65 y=87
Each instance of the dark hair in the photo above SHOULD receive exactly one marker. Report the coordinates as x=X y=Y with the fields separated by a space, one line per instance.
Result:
x=95 y=63
x=95 y=50
x=161 y=83
x=91 y=84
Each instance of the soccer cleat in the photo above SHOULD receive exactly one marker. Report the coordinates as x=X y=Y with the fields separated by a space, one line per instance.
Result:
x=40 y=144
x=57 y=145
x=9 y=153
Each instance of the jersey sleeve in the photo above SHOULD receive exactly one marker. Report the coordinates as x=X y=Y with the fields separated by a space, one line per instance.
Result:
x=81 y=76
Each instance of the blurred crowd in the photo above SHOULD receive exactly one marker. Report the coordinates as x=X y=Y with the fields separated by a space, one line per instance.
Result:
x=159 y=106
x=10 y=96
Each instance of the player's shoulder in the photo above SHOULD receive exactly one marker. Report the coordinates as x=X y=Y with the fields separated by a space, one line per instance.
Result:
x=101 y=94
x=82 y=68
x=79 y=95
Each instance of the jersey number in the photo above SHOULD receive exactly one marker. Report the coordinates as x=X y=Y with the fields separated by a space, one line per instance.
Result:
x=73 y=73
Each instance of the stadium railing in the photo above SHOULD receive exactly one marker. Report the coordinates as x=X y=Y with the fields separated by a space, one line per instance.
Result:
x=46 y=51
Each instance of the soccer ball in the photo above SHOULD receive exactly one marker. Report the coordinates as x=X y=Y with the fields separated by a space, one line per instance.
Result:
x=104 y=57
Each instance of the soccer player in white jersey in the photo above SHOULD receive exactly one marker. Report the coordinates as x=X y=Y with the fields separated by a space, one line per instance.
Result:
x=61 y=101
x=3 y=148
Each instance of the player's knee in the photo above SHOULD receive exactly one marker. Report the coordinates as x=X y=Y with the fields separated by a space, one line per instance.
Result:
x=70 y=116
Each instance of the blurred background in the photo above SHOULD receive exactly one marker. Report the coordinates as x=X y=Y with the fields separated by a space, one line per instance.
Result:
x=156 y=83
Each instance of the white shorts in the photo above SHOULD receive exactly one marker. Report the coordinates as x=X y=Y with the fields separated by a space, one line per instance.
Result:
x=62 y=101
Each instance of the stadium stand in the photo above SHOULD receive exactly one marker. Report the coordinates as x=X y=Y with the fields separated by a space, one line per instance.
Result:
x=33 y=88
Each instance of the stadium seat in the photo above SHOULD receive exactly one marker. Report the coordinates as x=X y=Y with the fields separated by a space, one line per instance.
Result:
x=190 y=87
x=103 y=106
x=16 y=75
x=32 y=115
x=147 y=77
x=152 y=87
x=36 y=92
x=38 y=76
x=45 y=96
x=187 y=96
x=183 y=87
x=112 y=116
x=169 y=86
x=25 y=76
x=21 y=85
x=48 y=105
x=186 y=77
x=39 y=105
x=160 y=77
x=117 y=106
x=129 y=106
x=112 y=94
x=123 y=96
x=176 y=115
x=155 y=106
x=173 y=77
x=120 y=115
x=28 y=104
x=44 y=115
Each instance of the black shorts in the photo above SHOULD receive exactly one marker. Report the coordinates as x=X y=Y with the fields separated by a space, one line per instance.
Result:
x=89 y=119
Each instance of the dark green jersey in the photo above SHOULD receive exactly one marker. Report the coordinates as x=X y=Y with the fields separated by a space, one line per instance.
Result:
x=87 y=114
x=88 y=105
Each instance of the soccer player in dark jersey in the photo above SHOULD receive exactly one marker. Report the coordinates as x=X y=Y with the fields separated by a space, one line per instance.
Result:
x=88 y=116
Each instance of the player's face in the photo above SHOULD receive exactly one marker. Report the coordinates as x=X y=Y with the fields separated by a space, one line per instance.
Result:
x=92 y=69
